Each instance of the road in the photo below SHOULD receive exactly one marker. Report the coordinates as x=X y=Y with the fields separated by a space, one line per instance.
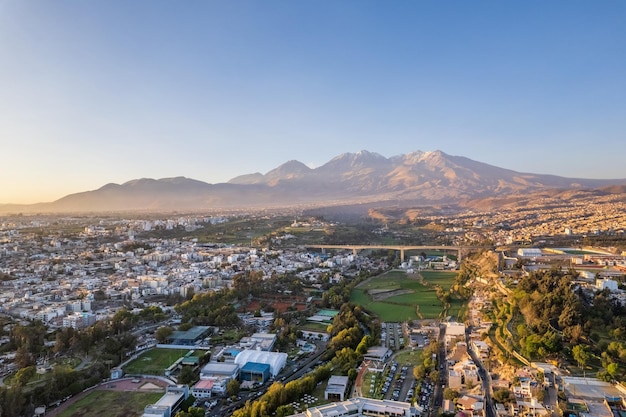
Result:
x=485 y=378
x=551 y=400
x=443 y=371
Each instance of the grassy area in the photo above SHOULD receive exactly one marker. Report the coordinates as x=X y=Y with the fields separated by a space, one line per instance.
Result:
x=72 y=362
x=409 y=357
x=458 y=310
x=228 y=336
x=111 y=404
x=199 y=353
x=318 y=393
x=41 y=379
x=367 y=384
x=384 y=310
x=416 y=301
x=155 y=361
x=445 y=279
x=313 y=327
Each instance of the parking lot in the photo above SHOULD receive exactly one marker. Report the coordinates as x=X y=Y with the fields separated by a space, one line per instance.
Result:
x=391 y=336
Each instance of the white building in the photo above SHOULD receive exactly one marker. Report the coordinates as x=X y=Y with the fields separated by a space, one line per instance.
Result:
x=529 y=252
x=276 y=360
x=169 y=402
x=359 y=406
x=262 y=341
x=79 y=320
x=336 y=388
x=603 y=283
x=215 y=370
x=203 y=389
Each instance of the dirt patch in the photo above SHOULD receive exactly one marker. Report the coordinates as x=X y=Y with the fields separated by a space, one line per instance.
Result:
x=150 y=387
x=388 y=294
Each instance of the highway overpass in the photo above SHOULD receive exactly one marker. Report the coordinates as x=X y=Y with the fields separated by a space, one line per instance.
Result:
x=460 y=250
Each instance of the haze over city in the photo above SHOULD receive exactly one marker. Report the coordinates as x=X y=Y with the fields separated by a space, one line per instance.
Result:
x=100 y=92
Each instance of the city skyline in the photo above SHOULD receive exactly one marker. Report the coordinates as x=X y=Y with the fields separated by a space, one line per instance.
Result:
x=104 y=92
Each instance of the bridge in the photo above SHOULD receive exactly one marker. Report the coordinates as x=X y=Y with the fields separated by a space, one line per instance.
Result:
x=402 y=248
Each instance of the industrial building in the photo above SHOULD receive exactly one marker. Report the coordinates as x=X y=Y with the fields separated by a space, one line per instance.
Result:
x=336 y=388
x=190 y=337
x=169 y=403
x=216 y=370
x=255 y=372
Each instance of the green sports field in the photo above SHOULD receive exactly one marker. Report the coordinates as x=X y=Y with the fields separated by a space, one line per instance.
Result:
x=111 y=404
x=155 y=361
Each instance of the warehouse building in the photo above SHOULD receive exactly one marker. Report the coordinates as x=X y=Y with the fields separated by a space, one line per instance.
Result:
x=255 y=372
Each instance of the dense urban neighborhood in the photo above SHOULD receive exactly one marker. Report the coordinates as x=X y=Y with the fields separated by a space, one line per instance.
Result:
x=519 y=312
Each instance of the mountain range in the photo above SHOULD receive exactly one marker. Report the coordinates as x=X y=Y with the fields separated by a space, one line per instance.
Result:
x=364 y=177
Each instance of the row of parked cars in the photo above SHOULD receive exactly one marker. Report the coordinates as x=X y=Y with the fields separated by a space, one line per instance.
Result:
x=426 y=391
x=390 y=377
x=399 y=382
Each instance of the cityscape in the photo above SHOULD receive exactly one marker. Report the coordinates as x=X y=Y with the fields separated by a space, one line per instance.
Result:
x=234 y=313
x=312 y=209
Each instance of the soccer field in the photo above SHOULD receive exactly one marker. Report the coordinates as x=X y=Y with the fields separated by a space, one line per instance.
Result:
x=155 y=361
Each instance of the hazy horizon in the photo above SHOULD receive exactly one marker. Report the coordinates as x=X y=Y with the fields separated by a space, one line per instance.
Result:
x=107 y=92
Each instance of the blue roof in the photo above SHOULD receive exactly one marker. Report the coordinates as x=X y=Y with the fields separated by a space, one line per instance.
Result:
x=255 y=367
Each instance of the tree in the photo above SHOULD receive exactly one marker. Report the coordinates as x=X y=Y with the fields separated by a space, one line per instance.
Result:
x=163 y=333
x=346 y=359
x=451 y=394
x=25 y=374
x=352 y=374
x=612 y=369
x=284 y=411
x=185 y=326
x=85 y=342
x=502 y=395
x=581 y=355
x=233 y=387
x=23 y=358
x=191 y=412
x=434 y=375
x=419 y=372
x=186 y=375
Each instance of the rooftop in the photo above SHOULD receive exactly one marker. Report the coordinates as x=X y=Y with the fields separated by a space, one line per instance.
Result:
x=255 y=367
x=191 y=334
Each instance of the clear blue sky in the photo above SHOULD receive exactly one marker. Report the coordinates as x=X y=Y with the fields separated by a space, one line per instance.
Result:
x=97 y=91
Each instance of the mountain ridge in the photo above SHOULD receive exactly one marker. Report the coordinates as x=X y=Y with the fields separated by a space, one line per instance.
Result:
x=421 y=177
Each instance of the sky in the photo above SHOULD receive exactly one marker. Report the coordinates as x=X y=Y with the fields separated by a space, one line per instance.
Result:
x=101 y=91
